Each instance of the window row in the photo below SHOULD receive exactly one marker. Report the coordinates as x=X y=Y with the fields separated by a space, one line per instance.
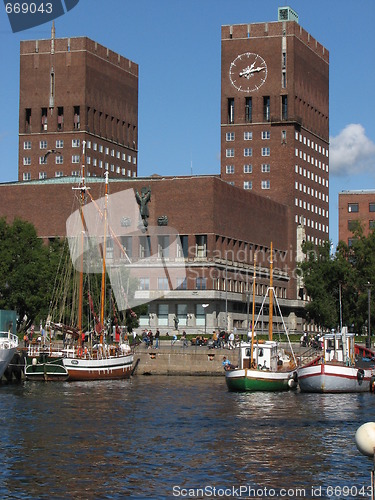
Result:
x=311 y=207
x=311 y=175
x=246 y=109
x=354 y=207
x=353 y=224
x=248 y=136
x=316 y=147
x=229 y=153
x=310 y=159
x=313 y=224
x=311 y=191
x=104 y=149
x=248 y=168
x=43 y=117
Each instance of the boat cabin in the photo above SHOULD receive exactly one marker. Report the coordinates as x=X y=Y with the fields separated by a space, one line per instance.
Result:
x=339 y=346
x=265 y=355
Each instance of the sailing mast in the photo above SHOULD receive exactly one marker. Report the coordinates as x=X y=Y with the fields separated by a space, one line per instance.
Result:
x=102 y=295
x=253 y=314
x=82 y=189
x=270 y=312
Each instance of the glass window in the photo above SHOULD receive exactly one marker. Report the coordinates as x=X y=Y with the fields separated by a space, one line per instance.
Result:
x=230 y=110
x=266 y=134
x=163 y=311
x=201 y=283
x=229 y=153
x=75 y=159
x=229 y=136
x=27 y=160
x=371 y=207
x=43 y=144
x=266 y=167
x=26 y=176
x=266 y=151
x=163 y=284
x=248 y=109
x=229 y=169
x=75 y=143
x=248 y=185
x=27 y=145
x=248 y=169
x=248 y=152
x=59 y=143
x=182 y=314
x=248 y=136
x=353 y=207
x=265 y=184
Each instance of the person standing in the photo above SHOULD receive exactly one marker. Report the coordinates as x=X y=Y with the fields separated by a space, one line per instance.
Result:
x=231 y=340
x=157 y=335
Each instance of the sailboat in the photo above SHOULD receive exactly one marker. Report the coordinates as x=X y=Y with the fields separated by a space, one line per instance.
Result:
x=336 y=370
x=79 y=361
x=263 y=366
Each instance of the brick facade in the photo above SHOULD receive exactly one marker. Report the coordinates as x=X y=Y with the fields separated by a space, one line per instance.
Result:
x=356 y=207
x=71 y=90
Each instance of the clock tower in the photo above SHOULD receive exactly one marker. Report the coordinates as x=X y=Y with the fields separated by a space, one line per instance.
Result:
x=274 y=118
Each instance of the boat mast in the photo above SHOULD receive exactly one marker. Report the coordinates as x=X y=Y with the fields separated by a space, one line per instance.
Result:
x=270 y=321
x=253 y=315
x=102 y=296
x=82 y=189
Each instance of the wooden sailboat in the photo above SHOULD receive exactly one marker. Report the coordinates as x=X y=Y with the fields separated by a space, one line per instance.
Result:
x=79 y=362
x=262 y=366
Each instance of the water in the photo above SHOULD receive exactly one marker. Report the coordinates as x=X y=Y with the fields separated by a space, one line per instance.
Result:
x=182 y=437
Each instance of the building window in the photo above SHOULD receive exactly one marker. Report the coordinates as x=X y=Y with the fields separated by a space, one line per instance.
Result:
x=248 y=169
x=106 y=151
x=248 y=152
x=27 y=160
x=266 y=167
x=42 y=175
x=229 y=153
x=43 y=144
x=127 y=245
x=283 y=136
x=229 y=136
x=59 y=159
x=201 y=246
x=371 y=224
x=230 y=110
x=44 y=119
x=283 y=80
x=59 y=143
x=42 y=160
x=371 y=207
x=266 y=152
x=60 y=118
x=201 y=283
x=75 y=173
x=248 y=109
x=75 y=158
x=352 y=225
x=265 y=184
x=76 y=118
x=182 y=311
x=163 y=284
x=200 y=315
x=144 y=247
x=26 y=176
x=75 y=143
x=163 y=311
x=59 y=174
x=229 y=169
x=266 y=108
x=144 y=283
x=183 y=247
x=248 y=185
x=27 y=145
x=266 y=134
x=284 y=107
x=247 y=136
x=353 y=207
x=163 y=247
x=28 y=120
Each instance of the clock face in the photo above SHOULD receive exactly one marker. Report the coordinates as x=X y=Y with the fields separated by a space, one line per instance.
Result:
x=248 y=72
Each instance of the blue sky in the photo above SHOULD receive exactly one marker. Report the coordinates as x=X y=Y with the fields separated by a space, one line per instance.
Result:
x=177 y=46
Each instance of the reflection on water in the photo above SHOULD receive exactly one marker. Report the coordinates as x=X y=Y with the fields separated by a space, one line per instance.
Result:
x=139 y=438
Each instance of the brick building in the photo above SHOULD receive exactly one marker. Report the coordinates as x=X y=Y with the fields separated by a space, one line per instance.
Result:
x=71 y=90
x=356 y=207
x=274 y=117
x=217 y=248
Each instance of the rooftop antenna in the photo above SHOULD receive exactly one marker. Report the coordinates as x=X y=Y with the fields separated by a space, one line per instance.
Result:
x=53 y=38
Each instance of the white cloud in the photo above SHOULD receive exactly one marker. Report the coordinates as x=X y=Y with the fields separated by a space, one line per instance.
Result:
x=351 y=152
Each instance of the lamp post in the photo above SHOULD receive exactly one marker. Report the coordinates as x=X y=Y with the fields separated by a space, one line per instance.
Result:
x=368 y=315
x=205 y=319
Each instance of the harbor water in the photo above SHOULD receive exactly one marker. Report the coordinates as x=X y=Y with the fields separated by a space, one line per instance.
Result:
x=179 y=437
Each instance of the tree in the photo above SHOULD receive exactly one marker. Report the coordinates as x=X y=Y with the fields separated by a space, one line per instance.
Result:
x=27 y=268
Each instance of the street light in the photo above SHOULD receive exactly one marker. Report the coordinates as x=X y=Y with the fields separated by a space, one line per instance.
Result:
x=205 y=321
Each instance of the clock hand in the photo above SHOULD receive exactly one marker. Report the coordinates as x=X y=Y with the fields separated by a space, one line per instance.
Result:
x=260 y=68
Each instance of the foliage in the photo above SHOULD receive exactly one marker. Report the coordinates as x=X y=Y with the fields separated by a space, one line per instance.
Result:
x=27 y=270
x=346 y=275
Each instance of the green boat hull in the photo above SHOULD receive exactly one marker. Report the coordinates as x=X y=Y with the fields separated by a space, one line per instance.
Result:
x=45 y=368
x=256 y=380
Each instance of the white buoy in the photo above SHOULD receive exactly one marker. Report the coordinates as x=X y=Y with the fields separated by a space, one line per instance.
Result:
x=365 y=439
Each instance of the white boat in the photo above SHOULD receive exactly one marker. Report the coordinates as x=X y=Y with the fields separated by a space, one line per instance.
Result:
x=336 y=370
x=263 y=366
x=8 y=347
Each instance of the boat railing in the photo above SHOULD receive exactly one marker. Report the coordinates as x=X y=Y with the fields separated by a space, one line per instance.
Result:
x=11 y=337
x=309 y=356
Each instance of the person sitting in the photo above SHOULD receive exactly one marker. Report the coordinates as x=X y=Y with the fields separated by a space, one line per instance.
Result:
x=227 y=365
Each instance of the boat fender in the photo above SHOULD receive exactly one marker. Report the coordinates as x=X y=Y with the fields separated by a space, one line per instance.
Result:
x=360 y=375
x=372 y=384
x=34 y=361
x=292 y=383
